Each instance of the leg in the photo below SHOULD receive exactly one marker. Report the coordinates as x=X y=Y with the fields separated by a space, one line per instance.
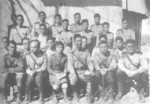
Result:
x=29 y=82
x=3 y=77
x=19 y=78
x=111 y=81
x=121 y=77
x=39 y=83
x=64 y=87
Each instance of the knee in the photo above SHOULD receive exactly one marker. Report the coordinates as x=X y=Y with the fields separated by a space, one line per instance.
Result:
x=64 y=86
x=145 y=76
x=55 y=87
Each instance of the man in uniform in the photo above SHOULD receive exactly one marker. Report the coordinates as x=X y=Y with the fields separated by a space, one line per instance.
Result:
x=79 y=65
x=125 y=32
x=36 y=64
x=13 y=19
x=66 y=37
x=133 y=67
x=97 y=27
x=120 y=49
x=12 y=65
x=4 y=45
x=105 y=65
x=19 y=32
x=89 y=34
x=76 y=27
x=110 y=35
x=42 y=20
x=42 y=38
x=57 y=27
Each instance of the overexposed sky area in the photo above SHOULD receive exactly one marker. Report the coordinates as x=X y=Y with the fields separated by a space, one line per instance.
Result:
x=146 y=26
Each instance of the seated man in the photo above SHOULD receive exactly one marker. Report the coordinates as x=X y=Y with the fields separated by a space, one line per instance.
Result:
x=105 y=65
x=120 y=50
x=12 y=65
x=79 y=64
x=134 y=68
x=36 y=64
x=57 y=69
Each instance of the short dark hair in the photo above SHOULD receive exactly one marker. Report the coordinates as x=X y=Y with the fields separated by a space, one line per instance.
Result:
x=20 y=15
x=57 y=43
x=65 y=20
x=77 y=35
x=42 y=25
x=77 y=14
x=119 y=38
x=84 y=21
x=102 y=36
x=130 y=41
x=97 y=15
x=5 y=38
x=12 y=42
x=103 y=42
x=58 y=15
x=105 y=23
x=51 y=38
x=42 y=12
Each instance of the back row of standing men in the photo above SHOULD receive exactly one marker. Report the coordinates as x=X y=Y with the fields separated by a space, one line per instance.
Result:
x=71 y=54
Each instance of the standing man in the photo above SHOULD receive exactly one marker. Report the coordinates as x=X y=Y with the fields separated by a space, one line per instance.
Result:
x=57 y=27
x=36 y=64
x=125 y=32
x=88 y=34
x=110 y=35
x=66 y=37
x=97 y=27
x=79 y=65
x=4 y=45
x=42 y=20
x=76 y=27
x=105 y=65
x=19 y=32
x=13 y=19
x=12 y=64
x=132 y=67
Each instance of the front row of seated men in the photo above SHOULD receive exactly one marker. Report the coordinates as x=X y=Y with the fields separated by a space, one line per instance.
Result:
x=78 y=66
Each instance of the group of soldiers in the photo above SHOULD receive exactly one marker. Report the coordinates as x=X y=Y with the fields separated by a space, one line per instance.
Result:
x=71 y=57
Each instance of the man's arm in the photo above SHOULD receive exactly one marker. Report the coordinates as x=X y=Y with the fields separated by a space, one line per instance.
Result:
x=143 y=65
x=20 y=65
x=113 y=64
x=70 y=65
x=96 y=62
x=89 y=62
x=121 y=65
x=44 y=65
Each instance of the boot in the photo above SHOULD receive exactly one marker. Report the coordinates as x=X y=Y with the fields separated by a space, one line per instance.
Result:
x=18 y=100
x=88 y=98
x=120 y=91
x=54 y=98
x=41 y=99
x=75 y=97
x=141 y=96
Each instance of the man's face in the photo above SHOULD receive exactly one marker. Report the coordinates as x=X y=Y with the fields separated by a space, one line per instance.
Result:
x=97 y=20
x=11 y=49
x=130 y=47
x=125 y=24
x=85 y=26
x=42 y=30
x=57 y=20
x=119 y=44
x=105 y=28
x=84 y=43
x=20 y=21
x=50 y=43
x=5 y=43
x=77 y=18
x=78 y=42
x=104 y=48
x=65 y=25
x=26 y=44
x=34 y=47
x=59 y=49
x=42 y=17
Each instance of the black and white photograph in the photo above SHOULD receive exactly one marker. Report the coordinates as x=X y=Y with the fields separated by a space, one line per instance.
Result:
x=74 y=51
